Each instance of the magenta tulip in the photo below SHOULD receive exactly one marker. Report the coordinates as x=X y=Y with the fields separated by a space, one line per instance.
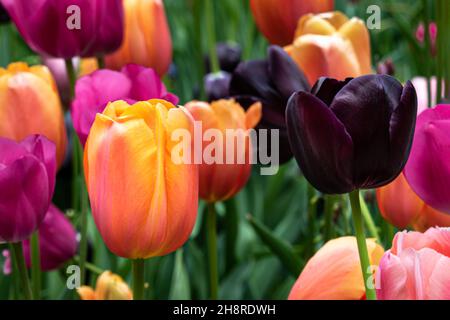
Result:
x=57 y=242
x=428 y=167
x=69 y=28
x=27 y=181
x=94 y=91
x=416 y=268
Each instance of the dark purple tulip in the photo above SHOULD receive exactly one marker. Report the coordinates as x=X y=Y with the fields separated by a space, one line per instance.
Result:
x=4 y=17
x=217 y=85
x=57 y=242
x=352 y=134
x=229 y=55
x=27 y=182
x=94 y=91
x=271 y=81
x=50 y=27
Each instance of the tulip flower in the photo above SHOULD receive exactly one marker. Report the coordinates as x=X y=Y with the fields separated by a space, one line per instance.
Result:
x=416 y=267
x=57 y=242
x=109 y=287
x=217 y=85
x=143 y=203
x=354 y=134
x=27 y=181
x=331 y=45
x=400 y=206
x=277 y=21
x=147 y=38
x=432 y=31
x=67 y=28
x=94 y=91
x=29 y=104
x=229 y=55
x=428 y=167
x=333 y=273
x=272 y=82
x=219 y=178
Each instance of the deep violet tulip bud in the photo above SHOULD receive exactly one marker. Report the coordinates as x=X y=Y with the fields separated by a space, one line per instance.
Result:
x=27 y=182
x=217 y=85
x=352 y=134
x=229 y=55
x=271 y=81
x=94 y=91
x=69 y=28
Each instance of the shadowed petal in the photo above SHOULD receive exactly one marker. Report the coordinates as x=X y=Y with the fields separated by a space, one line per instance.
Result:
x=327 y=88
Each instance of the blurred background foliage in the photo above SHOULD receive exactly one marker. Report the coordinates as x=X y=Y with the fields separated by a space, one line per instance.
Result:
x=264 y=232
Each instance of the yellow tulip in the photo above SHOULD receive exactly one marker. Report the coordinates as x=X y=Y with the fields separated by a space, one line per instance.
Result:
x=109 y=286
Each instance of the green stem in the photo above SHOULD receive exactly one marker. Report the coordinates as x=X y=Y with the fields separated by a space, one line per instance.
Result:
x=138 y=279
x=19 y=260
x=83 y=231
x=35 y=265
x=362 y=246
x=212 y=250
x=90 y=266
x=71 y=76
x=101 y=61
x=211 y=30
x=311 y=198
x=369 y=220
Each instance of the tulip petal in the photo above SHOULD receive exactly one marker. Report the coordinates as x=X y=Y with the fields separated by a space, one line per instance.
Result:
x=326 y=89
x=320 y=143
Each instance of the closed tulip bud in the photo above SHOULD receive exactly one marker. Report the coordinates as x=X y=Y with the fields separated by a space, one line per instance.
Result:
x=220 y=179
x=354 y=134
x=229 y=55
x=271 y=81
x=428 y=168
x=144 y=204
x=94 y=91
x=277 y=20
x=57 y=241
x=217 y=85
x=334 y=272
x=29 y=104
x=147 y=38
x=68 y=28
x=109 y=287
x=400 y=205
x=416 y=267
x=27 y=182
x=331 y=45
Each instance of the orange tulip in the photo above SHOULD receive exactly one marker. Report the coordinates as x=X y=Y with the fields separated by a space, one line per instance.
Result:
x=109 y=286
x=144 y=204
x=334 y=272
x=331 y=45
x=147 y=38
x=402 y=207
x=277 y=21
x=220 y=180
x=30 y=104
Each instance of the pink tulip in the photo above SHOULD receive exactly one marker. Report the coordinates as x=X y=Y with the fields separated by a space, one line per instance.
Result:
x=428 y=167
x=416 y=268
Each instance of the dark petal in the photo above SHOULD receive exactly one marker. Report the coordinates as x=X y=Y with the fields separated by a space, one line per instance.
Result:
x=286 y=76
x=402 y=125
x=252 y=78
x=229 y=55
x=327 y=88
x=321 y=145
x=365 y=106
x=4 y=17
x=217 y=85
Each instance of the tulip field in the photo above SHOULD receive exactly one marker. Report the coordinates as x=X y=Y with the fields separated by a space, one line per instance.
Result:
x=224 y=150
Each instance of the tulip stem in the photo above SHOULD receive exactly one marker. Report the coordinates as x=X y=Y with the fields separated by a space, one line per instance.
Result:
x=211 y=30
x=71 y=76
x=35 y=265
x=212 y=250
x=19 y=260
x=138 y=279
x=83 y=231
x=362 y=246
x=329 y=214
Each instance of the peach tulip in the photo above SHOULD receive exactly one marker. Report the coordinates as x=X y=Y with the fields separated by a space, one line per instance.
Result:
x=331 y=45
x=109 y=286
x=277 y=19
x=401 y=206
x=334 y=272
x=144 y=204
x=220 y=180
x=416 y=268
x=147 y=37
x=30 y=104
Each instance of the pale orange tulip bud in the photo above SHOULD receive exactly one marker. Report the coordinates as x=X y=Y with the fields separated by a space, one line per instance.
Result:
x=147 y=38
x=30 y=104
x=334 y=272
x=109 y=287
x=144 y=204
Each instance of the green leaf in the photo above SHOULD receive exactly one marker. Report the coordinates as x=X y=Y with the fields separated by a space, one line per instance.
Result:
x=180 y=288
